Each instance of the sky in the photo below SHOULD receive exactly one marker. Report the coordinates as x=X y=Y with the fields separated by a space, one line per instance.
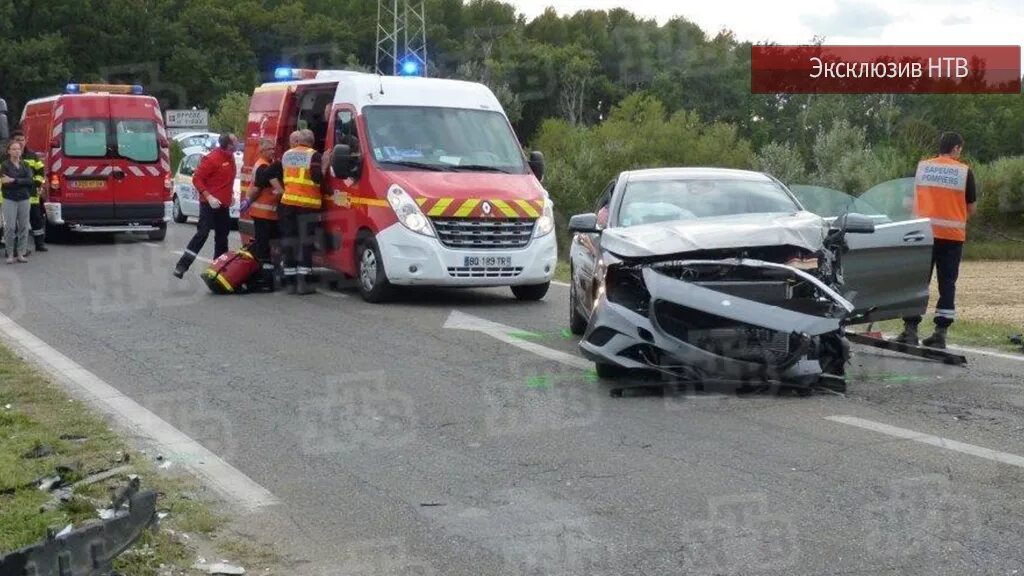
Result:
x=971 y=22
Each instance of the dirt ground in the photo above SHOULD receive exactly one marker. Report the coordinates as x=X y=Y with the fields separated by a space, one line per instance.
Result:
x=989 y=292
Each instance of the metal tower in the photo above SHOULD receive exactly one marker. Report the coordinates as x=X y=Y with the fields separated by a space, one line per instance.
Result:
x=401 y=38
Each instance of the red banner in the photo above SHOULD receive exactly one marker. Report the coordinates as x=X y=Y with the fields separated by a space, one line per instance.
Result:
x=885 y=69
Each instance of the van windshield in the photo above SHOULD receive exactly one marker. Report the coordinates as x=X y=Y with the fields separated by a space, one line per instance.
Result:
x=85 y=138
x=448 y=139
x=136 y=140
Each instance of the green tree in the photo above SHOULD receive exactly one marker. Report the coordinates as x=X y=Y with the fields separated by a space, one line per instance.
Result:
x=231 y=114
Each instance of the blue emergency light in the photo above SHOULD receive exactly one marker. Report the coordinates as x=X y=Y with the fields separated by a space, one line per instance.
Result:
x=284 y=73
x=73 y=89
x=410 y=68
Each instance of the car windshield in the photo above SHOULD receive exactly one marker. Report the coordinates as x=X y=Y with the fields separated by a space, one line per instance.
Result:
x=206 y=140
x=85 y=138
x=451 y=139
x=650 y=201
x=136 y=140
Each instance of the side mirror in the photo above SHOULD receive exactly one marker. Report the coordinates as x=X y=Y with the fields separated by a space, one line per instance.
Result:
x=343 y=162
x=537 y=164
x=854 y=224
x=585 y=223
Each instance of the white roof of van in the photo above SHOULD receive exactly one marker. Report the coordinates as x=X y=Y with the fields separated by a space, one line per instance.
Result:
x=362 y=89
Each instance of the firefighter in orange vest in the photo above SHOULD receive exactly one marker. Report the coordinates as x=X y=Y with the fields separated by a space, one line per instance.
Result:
x=299 y=210
x=261 y=203
x=945 y=193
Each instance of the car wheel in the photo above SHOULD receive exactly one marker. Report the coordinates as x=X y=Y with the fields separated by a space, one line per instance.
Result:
x=530 y=291
x=176 y=212
x=609 y=371
x=373 y=281
x=159 y=234
x=834 y=354
x=577 y=323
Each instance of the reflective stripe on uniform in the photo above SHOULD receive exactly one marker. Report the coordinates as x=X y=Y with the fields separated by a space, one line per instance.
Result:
x=948 y=223
x=303 y=271
x=289 y=271
x=950 y=314
x=263 y=206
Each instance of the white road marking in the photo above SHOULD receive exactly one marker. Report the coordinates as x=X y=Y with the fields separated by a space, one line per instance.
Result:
x=559 y=283
x=152 y=244
x=225 y=479
x=981 y=351
x=200 y=258
x=1017 y=357
x=462 y=321
x=971 y=449
x=331 y=294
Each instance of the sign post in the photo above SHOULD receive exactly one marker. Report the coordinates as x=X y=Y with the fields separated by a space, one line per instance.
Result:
x=179 y=121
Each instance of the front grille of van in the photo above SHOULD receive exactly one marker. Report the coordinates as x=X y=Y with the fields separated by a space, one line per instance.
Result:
x=486 y=233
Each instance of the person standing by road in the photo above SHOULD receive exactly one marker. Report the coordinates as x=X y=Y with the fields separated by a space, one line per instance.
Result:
x=35 y=215
x=945 y=193
x=214 y=181
x=18 y=183
x=262 y=201
x=300 y=205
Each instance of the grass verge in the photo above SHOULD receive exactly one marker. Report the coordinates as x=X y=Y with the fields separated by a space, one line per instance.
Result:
x=971 y=333
x=46 y=433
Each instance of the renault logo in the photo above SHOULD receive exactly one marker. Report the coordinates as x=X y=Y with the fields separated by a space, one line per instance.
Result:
x=486 y=207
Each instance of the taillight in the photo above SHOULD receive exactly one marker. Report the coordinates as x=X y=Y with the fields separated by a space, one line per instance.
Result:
x=167 y=182
x=54 y=182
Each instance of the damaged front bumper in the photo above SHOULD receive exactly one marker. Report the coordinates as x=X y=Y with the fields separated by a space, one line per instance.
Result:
x=716 y=331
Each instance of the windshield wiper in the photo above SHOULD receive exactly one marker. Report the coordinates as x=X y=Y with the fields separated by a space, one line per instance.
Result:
x=478 y=168
x=413 y=164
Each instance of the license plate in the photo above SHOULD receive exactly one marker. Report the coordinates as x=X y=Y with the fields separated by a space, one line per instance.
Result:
x=488 y=261
x=87 y=183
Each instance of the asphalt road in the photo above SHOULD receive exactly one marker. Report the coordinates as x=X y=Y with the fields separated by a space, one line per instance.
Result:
x=397 y=445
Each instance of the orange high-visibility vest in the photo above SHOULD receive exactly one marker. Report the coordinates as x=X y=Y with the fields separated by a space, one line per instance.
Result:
x=264 y=206
x=940 y=194
x=299 y=188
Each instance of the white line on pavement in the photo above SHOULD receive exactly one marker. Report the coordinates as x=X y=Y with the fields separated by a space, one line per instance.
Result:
x=200 y=258
x=971 y=449
x=152 y=244
x=331 y=294
x=462 y=321
x=559 y=283
x=225 y=479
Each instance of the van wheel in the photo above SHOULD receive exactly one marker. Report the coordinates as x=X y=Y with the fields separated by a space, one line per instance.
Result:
x=530 y=291
x=373 y=282
x=160 y=234
x=56 y=233
x=177 y=214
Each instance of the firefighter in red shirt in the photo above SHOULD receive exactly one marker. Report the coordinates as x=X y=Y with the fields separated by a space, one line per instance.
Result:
x=214 y=180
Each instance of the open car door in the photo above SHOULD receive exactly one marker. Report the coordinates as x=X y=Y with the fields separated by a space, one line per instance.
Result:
x=886 y=273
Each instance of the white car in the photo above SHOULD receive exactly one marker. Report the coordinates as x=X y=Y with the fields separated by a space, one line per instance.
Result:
x=194 y=139
x=185 y=197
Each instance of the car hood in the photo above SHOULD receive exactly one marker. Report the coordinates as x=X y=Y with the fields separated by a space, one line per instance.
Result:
x=483 y=185
x=801 y=229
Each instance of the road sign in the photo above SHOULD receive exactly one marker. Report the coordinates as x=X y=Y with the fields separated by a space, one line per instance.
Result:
x=178 y=121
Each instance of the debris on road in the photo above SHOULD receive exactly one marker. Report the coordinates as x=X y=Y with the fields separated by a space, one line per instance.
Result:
x=222 y=568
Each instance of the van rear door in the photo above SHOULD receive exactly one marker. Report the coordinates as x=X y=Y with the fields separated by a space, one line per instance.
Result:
x=137 y=170
x=88 y=193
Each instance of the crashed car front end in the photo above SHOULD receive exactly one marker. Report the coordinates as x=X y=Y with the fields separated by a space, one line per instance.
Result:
x=766 y=314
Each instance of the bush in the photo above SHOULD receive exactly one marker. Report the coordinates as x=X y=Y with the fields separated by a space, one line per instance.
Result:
x=782 y=161
x=232 y=114
x=1001 y=191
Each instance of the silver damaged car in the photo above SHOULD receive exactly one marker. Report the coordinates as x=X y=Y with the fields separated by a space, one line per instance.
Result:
x=716 y=275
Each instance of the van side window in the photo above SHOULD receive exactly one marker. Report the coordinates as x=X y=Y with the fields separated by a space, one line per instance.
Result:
x=346 y=131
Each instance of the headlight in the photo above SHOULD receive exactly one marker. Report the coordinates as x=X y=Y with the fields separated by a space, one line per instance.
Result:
x=408 y=211
x=546 y=222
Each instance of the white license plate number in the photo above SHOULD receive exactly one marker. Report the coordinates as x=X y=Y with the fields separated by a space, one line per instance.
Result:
x=488 y=261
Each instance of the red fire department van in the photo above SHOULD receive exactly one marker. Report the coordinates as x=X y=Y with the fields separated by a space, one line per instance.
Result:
x=107 y=159
x=426 y=181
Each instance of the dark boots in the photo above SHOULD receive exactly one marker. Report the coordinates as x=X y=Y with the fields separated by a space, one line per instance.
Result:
x=937 y=339
x=908 y=336
x=184 y=264
x=40 y=243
